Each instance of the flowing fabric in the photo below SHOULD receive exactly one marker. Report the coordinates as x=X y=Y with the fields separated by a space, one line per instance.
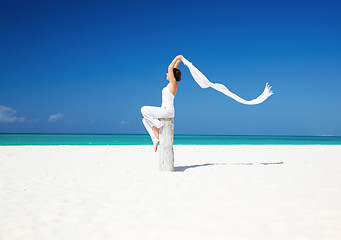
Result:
x=204 y=83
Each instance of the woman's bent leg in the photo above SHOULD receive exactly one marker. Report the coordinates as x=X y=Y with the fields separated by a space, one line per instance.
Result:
x=153 y=113
x=150 y=120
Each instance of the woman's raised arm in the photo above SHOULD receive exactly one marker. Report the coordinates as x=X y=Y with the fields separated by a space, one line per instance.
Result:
x=177 y=64
x=175 y=61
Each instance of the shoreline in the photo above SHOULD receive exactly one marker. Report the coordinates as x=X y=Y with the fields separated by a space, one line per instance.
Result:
x=132 y=145
x=133 y=139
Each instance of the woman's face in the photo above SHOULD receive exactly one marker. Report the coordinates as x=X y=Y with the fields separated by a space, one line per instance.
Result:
x=167 y=76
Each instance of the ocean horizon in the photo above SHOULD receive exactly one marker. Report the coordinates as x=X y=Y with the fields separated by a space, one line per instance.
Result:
x=15 y=139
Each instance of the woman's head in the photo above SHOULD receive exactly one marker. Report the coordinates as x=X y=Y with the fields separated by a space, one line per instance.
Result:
x=176 y=73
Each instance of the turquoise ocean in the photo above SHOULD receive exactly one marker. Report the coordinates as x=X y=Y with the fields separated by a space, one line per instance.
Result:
x=143 y=139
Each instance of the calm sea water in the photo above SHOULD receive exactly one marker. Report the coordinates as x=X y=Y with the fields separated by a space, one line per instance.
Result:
x=140 y=139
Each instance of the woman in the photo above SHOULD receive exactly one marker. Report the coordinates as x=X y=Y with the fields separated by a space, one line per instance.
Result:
x=152 y=114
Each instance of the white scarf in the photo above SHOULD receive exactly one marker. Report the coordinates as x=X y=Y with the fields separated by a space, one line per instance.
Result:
x=204 y=83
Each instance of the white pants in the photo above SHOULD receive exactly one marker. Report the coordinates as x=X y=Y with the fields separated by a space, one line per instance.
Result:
x=151 y=117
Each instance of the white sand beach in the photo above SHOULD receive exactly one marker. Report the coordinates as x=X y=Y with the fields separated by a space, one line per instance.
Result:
x=217 y=192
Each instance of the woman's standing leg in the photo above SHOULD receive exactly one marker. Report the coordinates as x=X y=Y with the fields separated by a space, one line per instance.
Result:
x=149 y=129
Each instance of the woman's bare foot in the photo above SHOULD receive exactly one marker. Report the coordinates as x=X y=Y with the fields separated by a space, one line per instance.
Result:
x=155 y=144
x=156 y=132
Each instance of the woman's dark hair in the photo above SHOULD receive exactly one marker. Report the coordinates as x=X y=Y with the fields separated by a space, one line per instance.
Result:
x=177 y=74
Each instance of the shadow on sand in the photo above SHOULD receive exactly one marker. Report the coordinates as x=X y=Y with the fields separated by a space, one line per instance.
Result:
x=184 y=168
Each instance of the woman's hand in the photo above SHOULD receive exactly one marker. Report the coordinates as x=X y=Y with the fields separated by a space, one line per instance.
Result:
x=179 y=57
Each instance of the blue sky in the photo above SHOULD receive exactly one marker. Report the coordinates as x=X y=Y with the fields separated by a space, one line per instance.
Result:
x=89 y=67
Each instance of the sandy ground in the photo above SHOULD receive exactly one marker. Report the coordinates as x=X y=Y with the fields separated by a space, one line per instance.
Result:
x=217 y=192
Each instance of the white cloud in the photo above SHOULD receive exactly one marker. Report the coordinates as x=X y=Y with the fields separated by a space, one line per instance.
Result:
x=123 y=122
x=56 y=117
x=7 y=115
